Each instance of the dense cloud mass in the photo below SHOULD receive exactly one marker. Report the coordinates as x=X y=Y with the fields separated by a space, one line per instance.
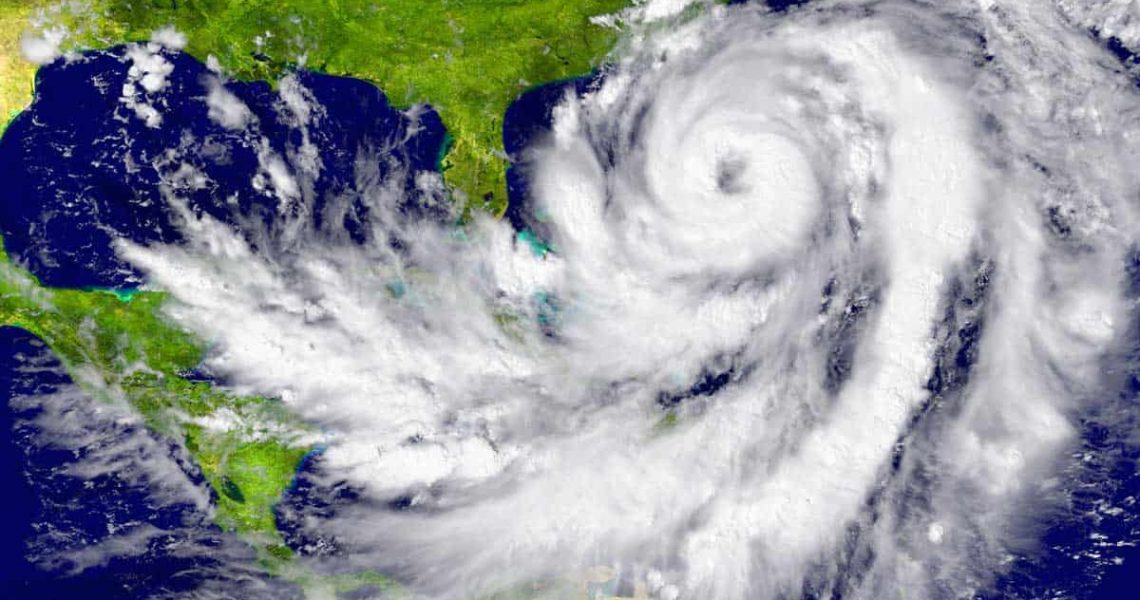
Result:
x=824 y=302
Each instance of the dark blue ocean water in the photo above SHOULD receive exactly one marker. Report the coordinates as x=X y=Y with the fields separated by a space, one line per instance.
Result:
x=86 y=511
x=81 y=169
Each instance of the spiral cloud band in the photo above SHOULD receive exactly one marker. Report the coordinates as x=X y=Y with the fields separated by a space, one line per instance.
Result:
x=831 y=293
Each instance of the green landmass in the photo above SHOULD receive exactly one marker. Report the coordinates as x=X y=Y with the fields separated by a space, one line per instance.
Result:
x=16 y=74
x=118 y=348
x=469 y=59
x=123 y=350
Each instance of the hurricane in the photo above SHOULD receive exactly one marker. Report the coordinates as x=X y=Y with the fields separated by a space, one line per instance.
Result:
x=814 y=302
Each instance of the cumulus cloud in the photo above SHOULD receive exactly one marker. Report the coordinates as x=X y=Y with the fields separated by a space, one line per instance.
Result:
x=43 y=47
x=770 y=230
x=146 y=79
x=225 y=108
x=169 y=37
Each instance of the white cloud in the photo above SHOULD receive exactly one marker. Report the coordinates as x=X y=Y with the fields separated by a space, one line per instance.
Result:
x=149 y=71
x=660 y=9
x=296 y=100
x=727 y=172
x=225 y=108
x=213 y=64
x=148 y=67
x=43 y=47
x=169 y=37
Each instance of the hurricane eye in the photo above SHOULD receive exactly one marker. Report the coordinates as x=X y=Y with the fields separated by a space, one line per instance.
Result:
x=730 y=175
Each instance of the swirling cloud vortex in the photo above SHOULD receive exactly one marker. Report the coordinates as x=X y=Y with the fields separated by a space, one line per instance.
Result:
x=730 y=376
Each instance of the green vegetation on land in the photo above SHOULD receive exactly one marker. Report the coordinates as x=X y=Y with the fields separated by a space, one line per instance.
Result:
x=469 y=59
x=125 y=351
x=119 y=348
x=16 y=74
